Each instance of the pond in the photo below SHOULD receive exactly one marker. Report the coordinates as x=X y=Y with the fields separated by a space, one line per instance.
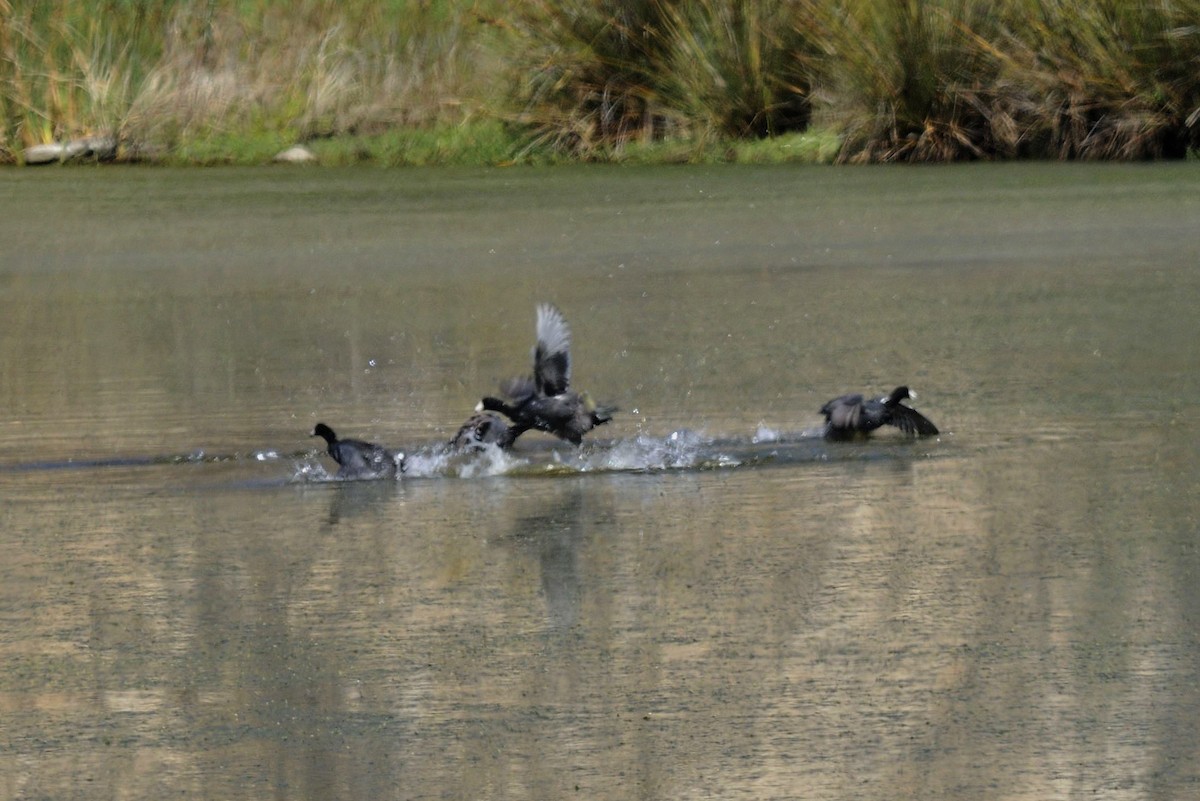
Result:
x=708 y=599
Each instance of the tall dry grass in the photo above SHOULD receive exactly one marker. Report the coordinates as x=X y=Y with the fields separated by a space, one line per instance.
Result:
x=897 y=80
x=904 y=80
x=585 y=73
x=741 y=69
x=314 y=69
x=590 y=75
x=72 y=68
x=942 y=80
x=1104 y=79
x=900 y=80
x=158 y=74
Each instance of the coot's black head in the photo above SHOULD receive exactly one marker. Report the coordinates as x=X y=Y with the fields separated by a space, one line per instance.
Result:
x=899 y=394
x=325 y=432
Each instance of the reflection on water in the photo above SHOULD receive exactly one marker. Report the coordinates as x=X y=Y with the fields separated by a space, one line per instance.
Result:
x=706 y=601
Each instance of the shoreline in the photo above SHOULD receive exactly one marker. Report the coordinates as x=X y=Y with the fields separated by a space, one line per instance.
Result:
x=477 y=145
x=464 y=146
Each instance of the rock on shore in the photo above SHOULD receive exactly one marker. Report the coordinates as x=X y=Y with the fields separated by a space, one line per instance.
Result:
x=97 y=148
x=299 y=154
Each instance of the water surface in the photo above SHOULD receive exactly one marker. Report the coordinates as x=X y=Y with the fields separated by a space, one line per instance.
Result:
x=708 y=600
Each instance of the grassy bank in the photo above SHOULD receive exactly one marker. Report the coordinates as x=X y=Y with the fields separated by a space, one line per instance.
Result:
x=485 y=81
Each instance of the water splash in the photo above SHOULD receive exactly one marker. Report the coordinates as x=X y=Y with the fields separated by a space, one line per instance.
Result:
x=765 y=433
x=679 y=450
x=443 y=461
x=684 y=449
x=305 y=472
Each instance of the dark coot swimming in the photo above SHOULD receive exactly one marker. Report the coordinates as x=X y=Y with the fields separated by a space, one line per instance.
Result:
x=358 y=459
x=852 y=416
x=545 y=402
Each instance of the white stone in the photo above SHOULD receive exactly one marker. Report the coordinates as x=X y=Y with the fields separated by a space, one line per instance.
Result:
x=46 y=154
x=299 y=154
x=101 y=148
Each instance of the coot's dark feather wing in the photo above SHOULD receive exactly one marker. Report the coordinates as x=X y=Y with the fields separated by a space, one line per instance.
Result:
x=552 y=354
x=518 y=389
x=844 y=412
x=912 y=422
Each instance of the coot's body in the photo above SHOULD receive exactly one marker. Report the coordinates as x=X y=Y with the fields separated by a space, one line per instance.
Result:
x=546 y=402
x=358 y=459
x=851 y=416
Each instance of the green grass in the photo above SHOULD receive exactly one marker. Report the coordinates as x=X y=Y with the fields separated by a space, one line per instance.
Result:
x=487 y=142
x=490 y=142
x=243 y=148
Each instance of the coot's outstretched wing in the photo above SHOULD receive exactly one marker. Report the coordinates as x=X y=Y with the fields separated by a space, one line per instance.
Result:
x=552 y=354
x=912 y=422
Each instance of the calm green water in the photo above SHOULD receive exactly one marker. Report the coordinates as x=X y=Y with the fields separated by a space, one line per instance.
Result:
x=707 y=601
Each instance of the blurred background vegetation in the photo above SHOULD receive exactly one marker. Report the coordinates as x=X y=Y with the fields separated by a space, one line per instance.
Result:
x=488 y=81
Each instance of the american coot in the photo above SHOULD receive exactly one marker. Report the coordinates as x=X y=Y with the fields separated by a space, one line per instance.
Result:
x=850 y=416
x=358 y=459
x=545 y=401
x=481 y=430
